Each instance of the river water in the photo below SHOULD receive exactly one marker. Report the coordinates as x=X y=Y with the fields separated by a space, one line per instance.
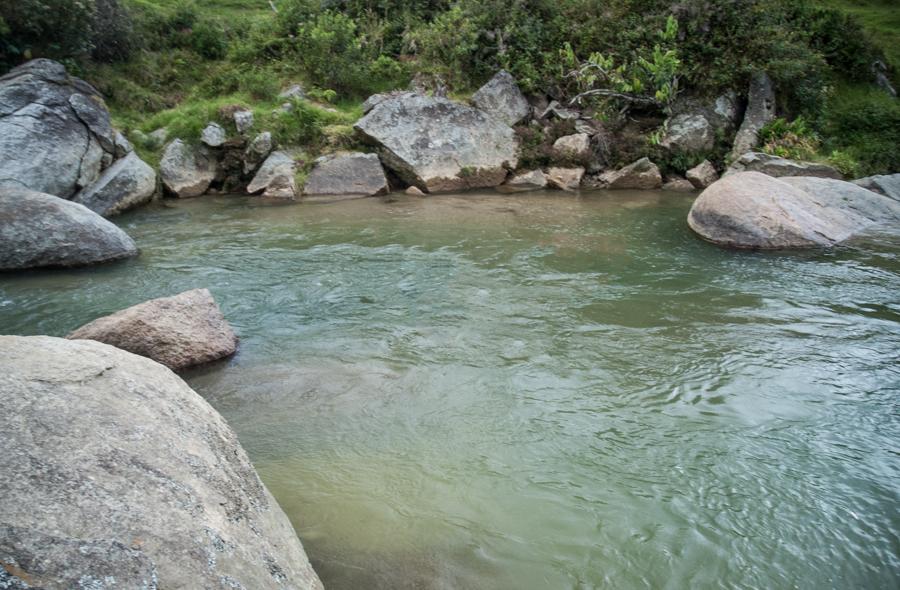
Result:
x=540 y=391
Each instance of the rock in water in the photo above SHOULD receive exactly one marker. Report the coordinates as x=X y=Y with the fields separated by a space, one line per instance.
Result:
x=702 y=175
x=567 y=179
x=439 y=145
x=883 y=184
x=346 y=176
x=779 y=167
x=676 y=184
x=187 y=171
x=179 y=331
x=641 y=175
x=753 y=210
x=760 y=110
x=37 y=230
x=502 y=99
x=118 y=475
x=530 y=180
x=275 y=177
x=55 y=133
x=127 y=183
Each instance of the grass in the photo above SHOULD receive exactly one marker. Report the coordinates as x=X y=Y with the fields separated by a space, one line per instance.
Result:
x=223 y=8
x=881 y=18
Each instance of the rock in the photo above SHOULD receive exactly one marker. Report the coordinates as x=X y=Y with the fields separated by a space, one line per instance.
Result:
x=567 y=179
x=760 y=110
x=37 y=230
x=158 y=136
x=180 y=331
x=118 y=475
x=213 y=135
x=293 y=92
x=126 y=184
x=576 y=146
x=123 y=146
x=502 y=99
x=439 y=145
x=556 y=111
x=880 y=72
x=243 y=121
x=678 y=185
x=530 y=180
x=753 y=210
x=642 y=175
x=55 y=132
x=883 y=184
x=187 y=171
x=376 y=99
x=588 y=126
x=691 y=133
x=414 y=191
x=257 y=151
x=342 y=176
x=275 y=177
x=778 y=167
x=702 y=175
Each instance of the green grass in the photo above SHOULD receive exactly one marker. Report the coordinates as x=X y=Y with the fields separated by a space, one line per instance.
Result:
x=222 y=8
x=881 y=18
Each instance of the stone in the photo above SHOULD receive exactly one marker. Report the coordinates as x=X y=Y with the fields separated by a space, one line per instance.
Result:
x=55 y=131
x=690 y=133
x=41 y=230
x=128 y=183
x=760 y=110
x=502 y=99
x=702 y=175
x=118 y=475
x=883 y=184
x=588 y=126
x=293 y=92
x=275 y=177
x=213 y=135
x=640 y=175
x=678 y=185
x=779 y=167
x=179 y=332
x=123 y=146
x=529 y=180
x=257 y=151
x=556 y=111
x=576 y=146
x=187 y=171
x=439 y=145
x=243 y=121
x=343 y=176
x=567 y=179
x=414 y=191
x=756 y=211
x=158 y=136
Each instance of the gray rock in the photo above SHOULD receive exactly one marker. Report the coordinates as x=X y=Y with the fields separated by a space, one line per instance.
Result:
x=257 y=151
x=127 y=183
x=414 y=191
x=530 y=180
x=577 y=145
x=213 y=135
x=779 y=167
x=37 y=230
x=556 y=111
x=678 y=185
x=158 y=136
x=346 y=176
x=123 y=146
x=567 y=179
x=293 y=92
x=502 y=99
x=376 y=99
x=588 y=126
x=275 y=177
x=243 y=121
x=118 y=475
x=689 y=133
x=642 y=175
x=883 y=184
x=180 y=331
x=187 y=171
x=702 y=175
x=439 y=145
x=54 y=130
x=760 y=110
x=753 y=210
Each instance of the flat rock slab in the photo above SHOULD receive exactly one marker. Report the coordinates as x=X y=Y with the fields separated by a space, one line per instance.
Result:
x=439 y=145
x=883 y=184
x=502 y=99
x=180 y=331
x=128 y=183
x=41 y=230
x=118 y=475
x=346 y=176
x=530 y=180
x=781 y=167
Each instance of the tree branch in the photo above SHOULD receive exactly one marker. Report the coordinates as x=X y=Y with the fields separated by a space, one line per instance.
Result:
x=631 y=98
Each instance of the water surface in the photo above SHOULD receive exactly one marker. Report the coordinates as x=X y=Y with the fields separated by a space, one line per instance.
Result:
x=540 y=391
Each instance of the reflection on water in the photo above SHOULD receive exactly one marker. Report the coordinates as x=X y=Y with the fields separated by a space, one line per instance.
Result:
x=541 y=391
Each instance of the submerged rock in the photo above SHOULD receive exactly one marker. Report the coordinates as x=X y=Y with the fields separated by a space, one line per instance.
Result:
x=702 y=175
x=779 y=167
x=179 y=331
x=346 y=176
x=753 y=210
x=883 y=184
x=38 y=230
x=567 y=179
x=127 y=183
x=678 y=185
x=502 y=99
x=529 y=180
x=640 y=175
x=118 y=475
x=187 y=171
x=275 y=177
x=439 y=145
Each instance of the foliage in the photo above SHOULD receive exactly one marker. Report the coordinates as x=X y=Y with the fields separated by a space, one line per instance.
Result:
x=789 y=139
x=863 y=124
x=59 y=29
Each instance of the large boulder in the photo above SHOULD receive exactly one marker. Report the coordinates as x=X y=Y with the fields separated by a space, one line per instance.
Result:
x=439 y=145
x=753 y=210
x=778 y=167
x=275 y=177
x=118 y=475
x=187 y=170
x=37 y=230
x=760 y=110
x=641 y=175
x=55 y=132
x=180 y=331
x=344 y=176
x=127 y=183
x=883 y=184
x=502 y=99
x=529 y=180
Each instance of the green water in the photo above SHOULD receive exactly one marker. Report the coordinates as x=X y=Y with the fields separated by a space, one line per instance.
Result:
x=542 y=391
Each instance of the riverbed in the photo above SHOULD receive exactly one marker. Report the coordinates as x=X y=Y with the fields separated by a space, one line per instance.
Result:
x=536 y=391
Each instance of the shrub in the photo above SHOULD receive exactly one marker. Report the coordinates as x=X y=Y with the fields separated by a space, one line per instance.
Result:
x=863 y=123
x=113 y=36
x=795 y=139
x=57 y=29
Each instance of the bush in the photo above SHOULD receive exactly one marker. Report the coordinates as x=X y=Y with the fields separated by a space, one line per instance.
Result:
x=863 y=124
x=795 y=139
x=113 y=37
x=58 y=29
